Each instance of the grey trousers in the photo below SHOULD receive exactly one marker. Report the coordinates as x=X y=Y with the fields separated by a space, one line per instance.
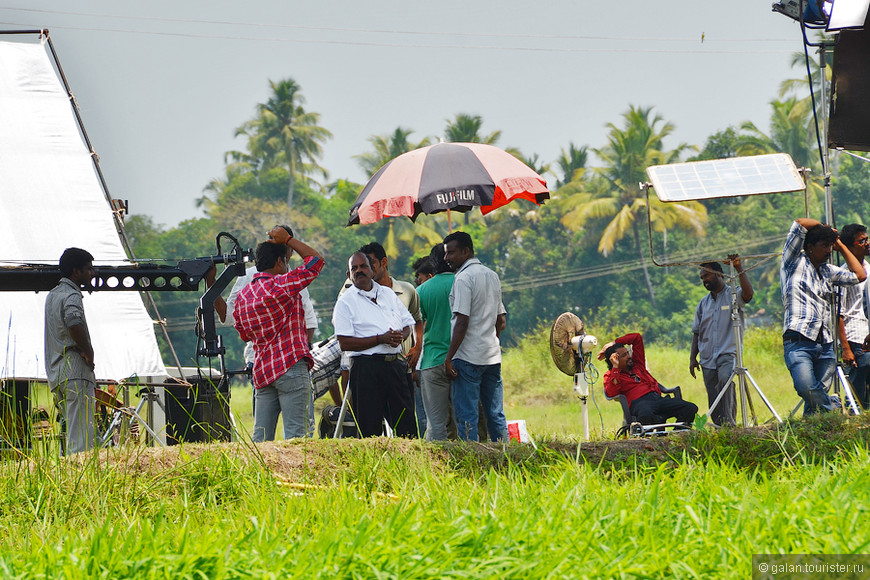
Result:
x=76 y=401
x=436 y=389
x=725 y=412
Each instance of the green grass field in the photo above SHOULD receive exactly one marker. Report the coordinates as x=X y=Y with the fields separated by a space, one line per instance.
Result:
x=695 y=506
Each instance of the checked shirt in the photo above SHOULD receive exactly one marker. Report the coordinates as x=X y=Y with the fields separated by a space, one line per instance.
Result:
x=806 y=291
x=268 y=312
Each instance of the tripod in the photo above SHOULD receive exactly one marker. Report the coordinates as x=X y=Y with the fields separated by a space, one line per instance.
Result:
x=121 y=414
x=740 y=372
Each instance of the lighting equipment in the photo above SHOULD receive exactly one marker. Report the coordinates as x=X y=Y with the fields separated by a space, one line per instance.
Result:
x=850 y=88
x=832 y=15
x=735 y=177
x=571 y=349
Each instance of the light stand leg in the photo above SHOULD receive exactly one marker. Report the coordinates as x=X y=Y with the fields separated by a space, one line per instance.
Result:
x=339 y=426
x=848 y=393
x=763 y=398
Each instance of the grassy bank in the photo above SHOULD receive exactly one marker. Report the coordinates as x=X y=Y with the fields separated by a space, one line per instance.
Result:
x=693 y=508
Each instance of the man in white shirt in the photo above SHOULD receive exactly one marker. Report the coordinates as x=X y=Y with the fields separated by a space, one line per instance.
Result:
x=370 y=323
x=854 y=311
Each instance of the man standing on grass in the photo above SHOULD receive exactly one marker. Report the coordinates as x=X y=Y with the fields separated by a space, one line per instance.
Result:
x=808 y=282
x=713 y=337
x=371 y=323
x=411 y=346
x=854 y=312
x=69 y=355
x=473 y=359
x=435 y=308
x=268 y=312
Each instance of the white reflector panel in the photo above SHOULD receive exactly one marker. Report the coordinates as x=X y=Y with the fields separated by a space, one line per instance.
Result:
x=733 y=177
x=51 y=199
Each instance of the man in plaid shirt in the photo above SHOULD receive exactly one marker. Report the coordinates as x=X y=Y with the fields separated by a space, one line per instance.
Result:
x=807 y=287
x=268 y=312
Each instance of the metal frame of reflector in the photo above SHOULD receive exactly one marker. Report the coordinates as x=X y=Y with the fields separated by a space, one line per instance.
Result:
x=720 y=178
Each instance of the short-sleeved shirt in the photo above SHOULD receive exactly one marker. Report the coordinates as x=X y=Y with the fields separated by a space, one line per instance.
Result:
x=408 y=296
x=806 y=290
x=713 y=326
x=853 y=309
x=476 y=293
x=435 y=308
x=241 y=282
x=268 y=312
x=63 y=360
x=359 y=315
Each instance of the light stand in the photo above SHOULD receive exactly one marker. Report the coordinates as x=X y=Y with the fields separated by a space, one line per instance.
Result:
x=146 y=394
x=839 y=380
x=740 y=372
x=586 y=374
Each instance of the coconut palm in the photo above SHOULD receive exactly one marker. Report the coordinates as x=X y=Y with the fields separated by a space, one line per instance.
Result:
x=285 y=134
x=614 y=194
x=570 y=162
x=465 y=128
x=388 y=147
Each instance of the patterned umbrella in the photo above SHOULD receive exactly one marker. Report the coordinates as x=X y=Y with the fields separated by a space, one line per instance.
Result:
x=447 y=176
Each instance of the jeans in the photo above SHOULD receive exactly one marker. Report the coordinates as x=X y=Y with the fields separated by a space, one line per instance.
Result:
x=725 y=412
x=473 y=384
x=858 y=374
x=435 y=385
x=76 y=401
x=811 y=366
x=288 y=395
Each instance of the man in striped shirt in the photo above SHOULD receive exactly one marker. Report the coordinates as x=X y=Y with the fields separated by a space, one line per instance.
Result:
x=854 y=309
x=268 y=312
x=807 y=289
x=69 y=355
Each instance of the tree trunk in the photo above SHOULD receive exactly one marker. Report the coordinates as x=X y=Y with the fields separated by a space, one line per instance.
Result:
x=291 y=166
x=652 y=296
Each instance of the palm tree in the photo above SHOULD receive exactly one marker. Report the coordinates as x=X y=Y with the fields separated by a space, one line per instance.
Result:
x=614 y=194
x=792 y=131
x=285 y=134
x=388 y=147
x=465 y=128
x=570 y=162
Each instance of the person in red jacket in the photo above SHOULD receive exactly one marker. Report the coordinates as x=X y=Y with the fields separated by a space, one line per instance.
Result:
x=627 y=375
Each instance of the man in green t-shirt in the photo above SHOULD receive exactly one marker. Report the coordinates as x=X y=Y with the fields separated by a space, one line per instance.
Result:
x=436 y=385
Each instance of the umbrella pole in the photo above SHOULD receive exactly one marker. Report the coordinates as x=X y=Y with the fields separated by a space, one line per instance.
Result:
x=449 y=223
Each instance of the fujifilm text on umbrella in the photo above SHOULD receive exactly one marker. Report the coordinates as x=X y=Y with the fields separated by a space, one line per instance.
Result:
x=459 y=194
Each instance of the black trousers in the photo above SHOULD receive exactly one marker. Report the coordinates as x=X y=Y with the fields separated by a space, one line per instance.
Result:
x=653 y=408
x=380 y=390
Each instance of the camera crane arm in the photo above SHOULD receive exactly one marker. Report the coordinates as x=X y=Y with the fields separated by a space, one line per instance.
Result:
x=184 y=277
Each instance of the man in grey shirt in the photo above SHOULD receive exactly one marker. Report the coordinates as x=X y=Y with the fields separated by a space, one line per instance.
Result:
x=473 y=358
x=713 y=337
x=69 y=355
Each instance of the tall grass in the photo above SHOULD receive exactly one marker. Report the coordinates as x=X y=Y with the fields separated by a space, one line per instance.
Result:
x=387 y=509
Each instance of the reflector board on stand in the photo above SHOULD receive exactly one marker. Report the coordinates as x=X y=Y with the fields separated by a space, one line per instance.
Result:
x=733 y=177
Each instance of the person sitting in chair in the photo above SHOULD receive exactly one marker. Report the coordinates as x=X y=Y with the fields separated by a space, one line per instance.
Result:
x=627 y=375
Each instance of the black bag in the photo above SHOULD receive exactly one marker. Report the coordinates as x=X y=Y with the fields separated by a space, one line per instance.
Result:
x=329 y=418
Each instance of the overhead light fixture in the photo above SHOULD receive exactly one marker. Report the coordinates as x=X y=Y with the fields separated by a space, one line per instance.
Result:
x=848 y=14
x=811 y=12
x=832 y=14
